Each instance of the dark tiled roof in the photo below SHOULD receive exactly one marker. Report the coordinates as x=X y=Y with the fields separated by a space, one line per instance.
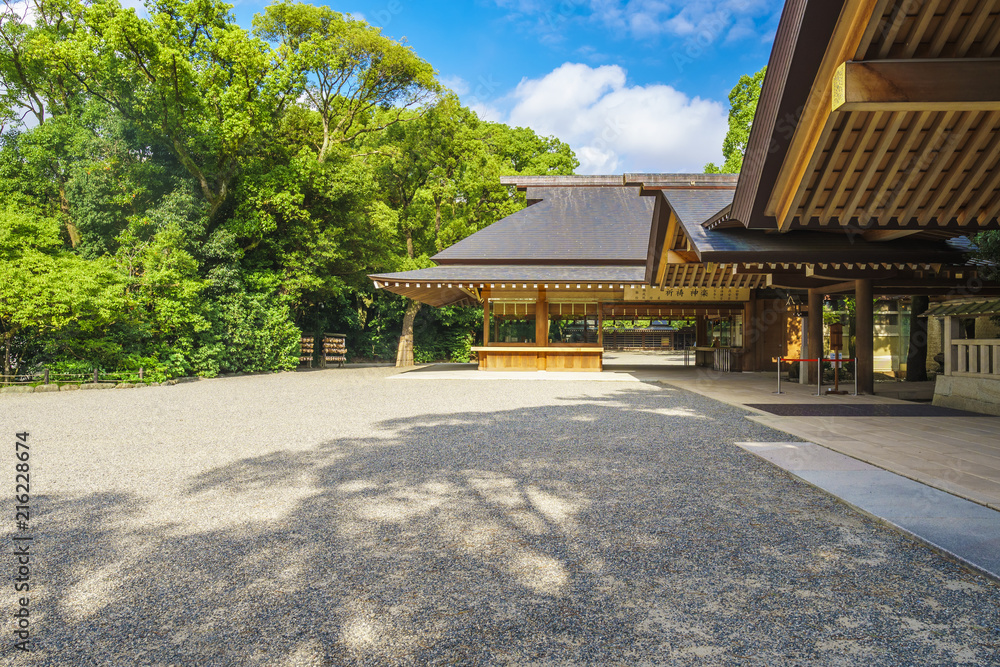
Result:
x=693 y=207
x=568 y=225
x=682 y=180
x=514 y=272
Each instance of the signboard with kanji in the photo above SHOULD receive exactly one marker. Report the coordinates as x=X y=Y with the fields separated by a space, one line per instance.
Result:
x=708 y=294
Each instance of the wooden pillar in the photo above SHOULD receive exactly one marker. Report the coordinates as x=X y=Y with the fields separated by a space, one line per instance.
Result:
x=701 y=331
x=864 y=331
x=486 y=316
x=750 y=337
x=541 y=320
x=815 y=331
x=600 y=324
x=541 y=329
x=952 y=331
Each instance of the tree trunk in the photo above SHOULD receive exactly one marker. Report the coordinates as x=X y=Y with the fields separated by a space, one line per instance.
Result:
x=404 y=353
x=437 y=218
x=74 y=233
x=916 y=360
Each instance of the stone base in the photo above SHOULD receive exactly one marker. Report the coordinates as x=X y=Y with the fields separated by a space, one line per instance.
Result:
x=968 y=393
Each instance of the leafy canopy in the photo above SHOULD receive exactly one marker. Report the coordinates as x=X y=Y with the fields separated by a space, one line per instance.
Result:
x=742 y=107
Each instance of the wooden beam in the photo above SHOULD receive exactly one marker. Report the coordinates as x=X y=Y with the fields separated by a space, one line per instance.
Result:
x=668 y=246
x=950 y=84
x=878 y=235
x=831 y=274
x=814 y=122
x=674 y=257
x=802 y=282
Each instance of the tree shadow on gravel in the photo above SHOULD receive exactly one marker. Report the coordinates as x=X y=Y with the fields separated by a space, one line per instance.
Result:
x=624 y=529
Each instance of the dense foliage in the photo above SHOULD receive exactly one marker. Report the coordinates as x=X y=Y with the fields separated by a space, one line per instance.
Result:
x=181 y=194
x=742 y=107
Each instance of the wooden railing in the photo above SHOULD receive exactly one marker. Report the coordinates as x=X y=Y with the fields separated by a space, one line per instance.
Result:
x=975 y=357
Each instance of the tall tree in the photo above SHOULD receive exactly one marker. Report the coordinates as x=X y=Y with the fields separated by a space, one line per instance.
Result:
x=742 y=107
x=188 y=73
x=45 y=289
x=347 y=68
x=441 y=174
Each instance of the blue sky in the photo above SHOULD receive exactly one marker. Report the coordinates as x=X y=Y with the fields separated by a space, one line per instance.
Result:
x=631 y=85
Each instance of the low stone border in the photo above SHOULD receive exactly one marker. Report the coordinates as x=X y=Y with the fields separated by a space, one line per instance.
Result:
x=47 y=388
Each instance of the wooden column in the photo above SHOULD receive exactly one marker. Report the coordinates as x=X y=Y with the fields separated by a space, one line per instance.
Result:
x=600 y=324
x=815 y=331
x=952 y=331
x=542 y=328
x=750 y=362
x=485 y=295
x=541 y=320
x=701 y=331
x=864 y=330
x=486 y=316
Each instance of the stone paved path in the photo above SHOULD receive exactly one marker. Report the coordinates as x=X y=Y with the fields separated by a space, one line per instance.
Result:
x=345 y=517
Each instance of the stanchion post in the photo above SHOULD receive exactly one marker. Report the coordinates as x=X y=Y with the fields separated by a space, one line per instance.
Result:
x=819 y=376
x=855 y=377
x=779 y=376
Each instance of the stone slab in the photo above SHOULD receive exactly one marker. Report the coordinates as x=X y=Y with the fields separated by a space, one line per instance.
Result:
x=959 y=528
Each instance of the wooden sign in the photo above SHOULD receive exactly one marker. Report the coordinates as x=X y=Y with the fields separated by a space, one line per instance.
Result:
x=707 y=294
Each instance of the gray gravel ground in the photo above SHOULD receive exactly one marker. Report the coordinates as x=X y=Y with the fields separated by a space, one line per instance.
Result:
x=346 y=517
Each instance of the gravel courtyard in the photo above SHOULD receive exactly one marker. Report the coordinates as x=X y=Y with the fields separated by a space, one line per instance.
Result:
x=349 y=517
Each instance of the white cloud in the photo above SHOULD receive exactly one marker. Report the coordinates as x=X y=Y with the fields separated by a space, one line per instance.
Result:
x=614 y=127
x=455 y=83
x=706 y=20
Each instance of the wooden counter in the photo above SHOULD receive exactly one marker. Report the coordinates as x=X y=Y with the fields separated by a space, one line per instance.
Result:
x=536 y=358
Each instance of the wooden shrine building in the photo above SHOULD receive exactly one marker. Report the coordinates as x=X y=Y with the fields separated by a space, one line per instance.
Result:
x=874 y=155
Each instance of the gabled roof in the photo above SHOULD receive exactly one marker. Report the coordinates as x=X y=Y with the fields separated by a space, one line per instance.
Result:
x=964 y=308
x=578 y=225
x=877 y=116
x=695 y=206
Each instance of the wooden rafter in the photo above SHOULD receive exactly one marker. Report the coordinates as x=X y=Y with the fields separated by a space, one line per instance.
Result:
x=952 y=84
x=931 y=141
x=957 y=171
x=853 y=157
x=934 y=169
x=988 y=156
x=848 y=33
x=871 y=167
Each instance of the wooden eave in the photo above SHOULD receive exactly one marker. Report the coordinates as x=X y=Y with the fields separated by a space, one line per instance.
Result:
x=886 y=116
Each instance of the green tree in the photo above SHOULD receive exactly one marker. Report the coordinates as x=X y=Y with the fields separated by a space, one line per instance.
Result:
x=440 y=174
x=742 y=107
x=188 y=73
x=44 y=289
x=347 y=70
